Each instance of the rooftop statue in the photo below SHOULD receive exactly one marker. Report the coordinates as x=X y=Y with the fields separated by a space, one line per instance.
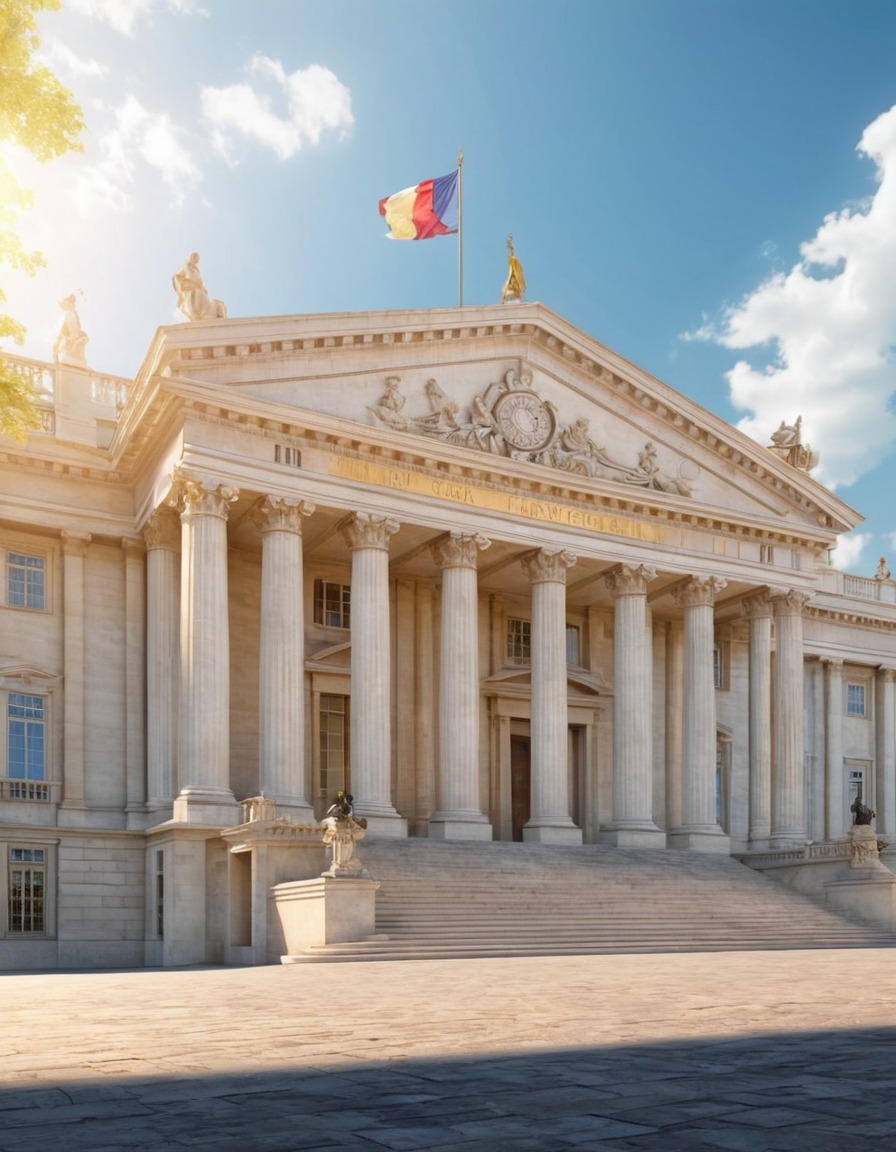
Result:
x=883 y=572
x=70 y=346
x=787 y=443
x=515 y=284
x=193 y=299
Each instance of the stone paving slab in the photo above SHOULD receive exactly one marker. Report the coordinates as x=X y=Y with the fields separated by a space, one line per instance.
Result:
x=744 y=1052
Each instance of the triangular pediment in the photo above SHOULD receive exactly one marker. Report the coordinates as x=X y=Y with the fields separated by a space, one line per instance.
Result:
x=499 y=388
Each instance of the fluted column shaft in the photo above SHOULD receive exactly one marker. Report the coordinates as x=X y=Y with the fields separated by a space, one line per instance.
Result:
x=758 y=610
x=789 y=791
x=550 y=821
x=459 y=814
x=162 y=536
x=836 y=814
x=633 y=825
x=74 y=551
x=700 y=827
x=371 y=744
x=204 y=732
x=885 y=801
x=135 y=676
x=281 y=707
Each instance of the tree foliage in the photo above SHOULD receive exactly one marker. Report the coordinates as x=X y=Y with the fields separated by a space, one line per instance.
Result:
x=39 y=114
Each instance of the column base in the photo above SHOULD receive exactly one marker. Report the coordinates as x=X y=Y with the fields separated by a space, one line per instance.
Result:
x=212 y=808
x=633 y=837
x=387 y=827
x=443 y=827
x=543 y=833
x=700 y=840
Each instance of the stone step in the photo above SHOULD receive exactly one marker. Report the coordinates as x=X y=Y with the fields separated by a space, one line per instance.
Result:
x=444 y=900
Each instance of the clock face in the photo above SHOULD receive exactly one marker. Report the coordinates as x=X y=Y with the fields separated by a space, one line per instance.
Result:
x=525 y=421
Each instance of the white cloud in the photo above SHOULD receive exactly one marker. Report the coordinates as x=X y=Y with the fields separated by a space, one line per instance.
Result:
x=847 y=553
x=125 y=15
x=827 y=328
x=61 y=56
x=138 y=135
x=311 y=101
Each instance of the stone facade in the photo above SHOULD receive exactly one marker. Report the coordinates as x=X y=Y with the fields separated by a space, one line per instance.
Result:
x=468 y=564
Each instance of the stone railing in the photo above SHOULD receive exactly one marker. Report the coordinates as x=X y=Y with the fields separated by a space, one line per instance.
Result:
x=110 y=392
x=822 y=852
x=31 y=791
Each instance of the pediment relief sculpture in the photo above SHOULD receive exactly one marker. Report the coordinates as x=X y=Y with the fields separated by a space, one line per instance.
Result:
x=510 y=419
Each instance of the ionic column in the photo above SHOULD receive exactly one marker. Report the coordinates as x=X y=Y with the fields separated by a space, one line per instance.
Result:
x=204 y=733
x=135 y=677
x=633 y=824
x=459 y=815
x=885 y=800
x=74 y=551
x=789 y=785
x=700 y=828
x=281 y=695
x=371 y=745
x=758 y=610
x=549 y=822
x=162 y=535
x=837 y=817
x=674 y=721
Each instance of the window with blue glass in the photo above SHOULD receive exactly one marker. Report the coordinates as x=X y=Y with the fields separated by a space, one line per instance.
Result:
x=25 y=745
x=25 y=581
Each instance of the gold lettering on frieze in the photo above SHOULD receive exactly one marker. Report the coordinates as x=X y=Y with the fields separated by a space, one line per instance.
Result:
x=461 y=492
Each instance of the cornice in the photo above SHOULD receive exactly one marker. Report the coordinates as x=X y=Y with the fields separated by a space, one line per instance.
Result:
x=850 y=616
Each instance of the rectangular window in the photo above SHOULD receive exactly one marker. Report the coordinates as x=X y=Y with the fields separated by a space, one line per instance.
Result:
x=334 y=745
x=855 y=700
x=27 y=884
x=519 y=639
x=25 y=744
x=572 y=645
x=717 y=667
x=766 y=554
x=25 y=581
x=160 y=894
x=332 y=604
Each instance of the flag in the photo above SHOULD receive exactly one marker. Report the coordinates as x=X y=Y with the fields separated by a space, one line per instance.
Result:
x=428 y=209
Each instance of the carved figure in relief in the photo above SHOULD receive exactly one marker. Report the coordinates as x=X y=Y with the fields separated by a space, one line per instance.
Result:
x=193 y=299
x=442 y=420
x=391 y=403
x=515 y=284
x=70 y=344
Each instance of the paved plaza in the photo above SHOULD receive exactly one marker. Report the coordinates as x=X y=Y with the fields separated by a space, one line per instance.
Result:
x=750 y=1051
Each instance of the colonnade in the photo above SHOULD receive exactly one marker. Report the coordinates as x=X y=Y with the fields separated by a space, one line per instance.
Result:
x=188 y=690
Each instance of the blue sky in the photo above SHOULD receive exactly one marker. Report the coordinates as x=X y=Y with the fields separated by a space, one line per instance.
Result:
x=706 y=186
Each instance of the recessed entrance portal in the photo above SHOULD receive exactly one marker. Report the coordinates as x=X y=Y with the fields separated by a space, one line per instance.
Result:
x=520 y=764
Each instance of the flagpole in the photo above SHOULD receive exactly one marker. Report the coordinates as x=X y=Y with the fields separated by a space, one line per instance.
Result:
x=460 y=228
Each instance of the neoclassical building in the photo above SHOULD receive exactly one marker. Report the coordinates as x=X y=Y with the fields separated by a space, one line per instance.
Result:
x=468 y=564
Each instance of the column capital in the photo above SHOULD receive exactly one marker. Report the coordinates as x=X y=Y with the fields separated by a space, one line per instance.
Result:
x=698 y=591
x=458 y=549
x=75 y=543
x=789 y=602
x=206 y=497
x=831 y=663
x=162 y=530
x=548 y=565
x=757 y=606
x=365 y=530
x=277 y=514
x=886 y=674
x=629 y=580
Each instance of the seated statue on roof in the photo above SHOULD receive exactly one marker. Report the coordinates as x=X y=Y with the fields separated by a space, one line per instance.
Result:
x=787 y=442
x=193 y=299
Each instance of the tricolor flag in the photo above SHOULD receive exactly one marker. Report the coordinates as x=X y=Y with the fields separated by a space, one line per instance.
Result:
x=428 y=209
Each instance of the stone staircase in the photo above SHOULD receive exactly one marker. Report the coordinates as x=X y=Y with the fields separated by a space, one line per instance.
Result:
x=441 y=900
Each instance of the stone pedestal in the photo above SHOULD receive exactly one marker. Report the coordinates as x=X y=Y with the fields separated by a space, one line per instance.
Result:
x=324 y=911
x=867 y=889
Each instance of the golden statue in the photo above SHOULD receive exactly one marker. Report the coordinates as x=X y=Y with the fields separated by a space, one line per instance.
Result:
x=514 y=285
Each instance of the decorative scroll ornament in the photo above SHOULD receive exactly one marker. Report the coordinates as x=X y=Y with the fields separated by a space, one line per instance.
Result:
x=510 y=419
x=458 y=549
x=548 y=566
